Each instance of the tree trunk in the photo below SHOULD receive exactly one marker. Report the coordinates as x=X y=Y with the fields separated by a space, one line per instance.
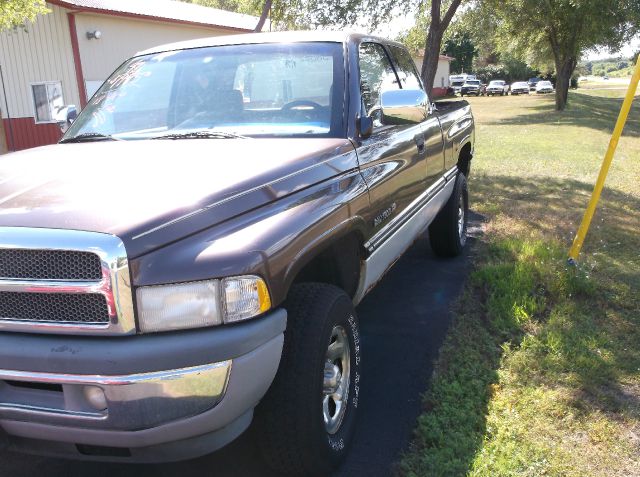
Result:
x=431 y=56
x=564 y=70
x=437 y=27
x=266 y=8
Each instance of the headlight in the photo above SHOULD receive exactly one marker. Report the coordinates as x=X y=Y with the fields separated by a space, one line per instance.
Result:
x=199 y=304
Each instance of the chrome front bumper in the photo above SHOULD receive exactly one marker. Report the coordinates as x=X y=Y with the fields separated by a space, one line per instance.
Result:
x=109 y=399
x=130 y=402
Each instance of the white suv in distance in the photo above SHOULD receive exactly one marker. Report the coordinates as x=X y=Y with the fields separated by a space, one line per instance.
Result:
x=544 y=87
x=471 y=86
x=497 y=87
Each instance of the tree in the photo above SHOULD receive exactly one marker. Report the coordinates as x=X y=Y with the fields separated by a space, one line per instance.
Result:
x=16 y=13
x=561 y=30
x=438 y=24
x=461 y=48
x=428 y=33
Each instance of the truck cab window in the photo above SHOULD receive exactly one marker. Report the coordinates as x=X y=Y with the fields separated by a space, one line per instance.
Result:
x=376 y=75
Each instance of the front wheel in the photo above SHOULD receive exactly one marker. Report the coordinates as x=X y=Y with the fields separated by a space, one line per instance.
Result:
x=307 y=418
x=448 y=231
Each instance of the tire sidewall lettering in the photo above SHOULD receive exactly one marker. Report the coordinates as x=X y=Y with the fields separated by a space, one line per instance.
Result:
x=337 y=441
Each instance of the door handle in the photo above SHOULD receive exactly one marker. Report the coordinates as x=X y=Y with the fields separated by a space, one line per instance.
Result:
x=419 y=140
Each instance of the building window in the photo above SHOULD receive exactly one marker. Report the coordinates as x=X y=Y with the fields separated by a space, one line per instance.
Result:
x=47 y=100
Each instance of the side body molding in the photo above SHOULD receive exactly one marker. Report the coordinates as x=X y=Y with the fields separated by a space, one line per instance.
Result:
x=388 y=245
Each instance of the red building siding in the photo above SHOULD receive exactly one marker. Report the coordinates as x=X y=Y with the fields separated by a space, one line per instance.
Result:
x=23 y=133
x=438 y=92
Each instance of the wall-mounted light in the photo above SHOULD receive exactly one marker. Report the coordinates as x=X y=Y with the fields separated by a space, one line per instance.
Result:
x=94 y=35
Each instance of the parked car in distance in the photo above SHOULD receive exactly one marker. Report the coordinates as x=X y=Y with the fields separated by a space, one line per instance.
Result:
x=532 y=83
x=519 y=87
x=456 y=85
x=497 y=87
x=214 y=282
x=457 y=81
x=471 y=86
x=544 y=87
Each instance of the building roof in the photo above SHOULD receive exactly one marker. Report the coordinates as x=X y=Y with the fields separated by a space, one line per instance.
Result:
x=164 y=10
x=420 y=54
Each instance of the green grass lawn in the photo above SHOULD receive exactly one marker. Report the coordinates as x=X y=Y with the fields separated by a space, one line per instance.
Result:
x=540 y=372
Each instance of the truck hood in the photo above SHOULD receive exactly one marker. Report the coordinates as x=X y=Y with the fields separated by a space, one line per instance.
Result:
x=153 y=192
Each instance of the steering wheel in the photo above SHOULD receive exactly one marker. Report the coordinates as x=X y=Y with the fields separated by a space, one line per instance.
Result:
x=301 y=103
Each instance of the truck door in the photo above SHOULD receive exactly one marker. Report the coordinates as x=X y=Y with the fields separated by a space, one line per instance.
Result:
x=393 y=160
x=431 y=128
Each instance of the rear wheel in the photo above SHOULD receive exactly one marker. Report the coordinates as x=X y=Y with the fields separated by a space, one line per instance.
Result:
x=448 y=231
x=307 y=418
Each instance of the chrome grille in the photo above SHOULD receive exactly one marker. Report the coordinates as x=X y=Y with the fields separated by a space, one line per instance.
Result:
x=64 y=281
x=54 y=307
x=49 y=264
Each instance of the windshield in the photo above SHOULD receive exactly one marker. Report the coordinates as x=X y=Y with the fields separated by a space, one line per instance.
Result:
x=520 y=85
x=249 y=90
x=496 y=83
x=473 y=82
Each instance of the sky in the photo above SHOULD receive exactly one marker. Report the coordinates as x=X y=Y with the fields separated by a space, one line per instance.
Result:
x=399 y=24
x=626 y=52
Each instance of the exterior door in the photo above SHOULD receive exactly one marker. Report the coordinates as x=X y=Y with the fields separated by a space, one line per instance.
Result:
x=393 y=160
x=409 y=79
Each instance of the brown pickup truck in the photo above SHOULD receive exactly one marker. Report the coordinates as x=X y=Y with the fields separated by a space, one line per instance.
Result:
x=187 y=259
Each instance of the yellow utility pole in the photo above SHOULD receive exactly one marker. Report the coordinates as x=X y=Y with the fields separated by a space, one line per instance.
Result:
x=604 y=169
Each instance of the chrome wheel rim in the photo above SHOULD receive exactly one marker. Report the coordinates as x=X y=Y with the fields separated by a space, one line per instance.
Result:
x=337 y=379
x=462 y=235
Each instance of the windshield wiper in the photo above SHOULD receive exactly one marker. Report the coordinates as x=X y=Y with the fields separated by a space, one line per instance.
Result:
x=202 y=135
x=90 y=136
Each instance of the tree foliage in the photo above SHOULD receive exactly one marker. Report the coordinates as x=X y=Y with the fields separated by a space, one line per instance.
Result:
x=462 y=49
x=559 y=31
x=284 y=14
x=510 y=69
x=16 y=13
x=241 y=6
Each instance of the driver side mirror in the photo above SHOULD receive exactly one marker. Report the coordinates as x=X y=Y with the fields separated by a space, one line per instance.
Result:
x=365 y=126
x=65 y=116
x=404 y=106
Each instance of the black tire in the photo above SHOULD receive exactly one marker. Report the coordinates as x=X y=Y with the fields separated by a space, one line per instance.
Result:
x=446 y=236
x=294 y=439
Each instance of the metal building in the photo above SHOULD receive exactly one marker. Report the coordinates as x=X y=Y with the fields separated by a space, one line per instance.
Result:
x=63 y=57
